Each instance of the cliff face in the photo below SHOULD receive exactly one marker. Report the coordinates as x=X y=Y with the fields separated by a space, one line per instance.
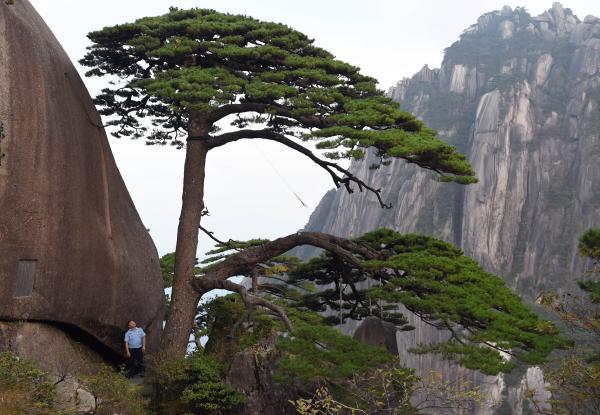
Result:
x=520 y=96
x=73 y=250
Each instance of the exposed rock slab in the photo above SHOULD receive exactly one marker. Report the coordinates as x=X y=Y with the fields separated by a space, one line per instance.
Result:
x=54 y=351
x=72 y=246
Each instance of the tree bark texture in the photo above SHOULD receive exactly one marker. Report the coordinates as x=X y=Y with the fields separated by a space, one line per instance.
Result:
x=184 y=299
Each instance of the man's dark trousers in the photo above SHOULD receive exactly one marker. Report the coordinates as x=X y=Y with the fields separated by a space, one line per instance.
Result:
x=136 y=362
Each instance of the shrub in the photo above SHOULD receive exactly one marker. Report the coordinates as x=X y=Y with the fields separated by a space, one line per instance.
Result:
x=114 y=393
x=24 y=389
x=191 y=385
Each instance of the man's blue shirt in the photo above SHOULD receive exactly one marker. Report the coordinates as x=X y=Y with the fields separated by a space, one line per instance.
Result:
x=133 y=337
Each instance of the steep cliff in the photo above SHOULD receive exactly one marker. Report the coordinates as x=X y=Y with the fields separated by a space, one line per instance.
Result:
x=520 y=96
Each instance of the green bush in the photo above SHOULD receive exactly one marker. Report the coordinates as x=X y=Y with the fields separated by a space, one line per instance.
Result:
x=191 y=385
x=114 y=393
x=24 y=389
x=589 y=244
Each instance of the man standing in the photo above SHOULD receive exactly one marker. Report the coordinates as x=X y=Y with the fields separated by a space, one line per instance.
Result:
x=135 y=346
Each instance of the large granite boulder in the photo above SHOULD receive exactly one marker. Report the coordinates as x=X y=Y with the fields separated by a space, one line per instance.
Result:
x=73 y=249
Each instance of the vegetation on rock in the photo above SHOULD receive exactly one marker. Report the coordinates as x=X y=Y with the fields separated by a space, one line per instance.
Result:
x=114 y=393
x=392 y=390
x=24 y=388
x=574 y=378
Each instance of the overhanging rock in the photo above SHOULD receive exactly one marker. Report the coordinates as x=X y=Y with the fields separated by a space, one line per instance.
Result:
x=73 y=249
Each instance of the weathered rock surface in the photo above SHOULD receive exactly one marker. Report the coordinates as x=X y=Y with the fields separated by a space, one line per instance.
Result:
x=72 y=396
x=526 y=112
x=54 y=351
x=72 y=246
x=520 y=96
x=376 y=332
x=252 y=374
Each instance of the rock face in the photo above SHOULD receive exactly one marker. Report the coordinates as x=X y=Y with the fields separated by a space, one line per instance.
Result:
x=377 y=333
x=252 y=374
x=54 y=351
x=64 y=358
x=520 y=96
x=525 y=109
x=73 y=249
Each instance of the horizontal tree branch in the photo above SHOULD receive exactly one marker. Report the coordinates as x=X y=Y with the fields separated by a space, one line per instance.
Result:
x=339 y=175
x=242 y=263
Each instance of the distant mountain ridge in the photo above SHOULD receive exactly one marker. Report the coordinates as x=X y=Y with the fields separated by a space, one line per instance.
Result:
x=520 y=96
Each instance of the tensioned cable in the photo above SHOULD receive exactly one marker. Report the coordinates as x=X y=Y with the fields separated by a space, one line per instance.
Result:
x=285 y=182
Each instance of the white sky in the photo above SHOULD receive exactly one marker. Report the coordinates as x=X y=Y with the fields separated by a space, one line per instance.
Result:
x=388 y=39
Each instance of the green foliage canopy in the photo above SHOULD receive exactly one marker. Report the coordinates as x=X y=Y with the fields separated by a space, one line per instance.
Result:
x=317 y=351
x=489 y=327
x=199 y=64
x=312 y=351
x=433 y=280
x=589 y=243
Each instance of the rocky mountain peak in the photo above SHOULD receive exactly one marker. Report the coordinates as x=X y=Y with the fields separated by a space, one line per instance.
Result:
x=556 y=22
x=425 y=74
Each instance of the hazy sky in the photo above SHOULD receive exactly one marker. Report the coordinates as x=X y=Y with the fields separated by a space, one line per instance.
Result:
x=248 y=184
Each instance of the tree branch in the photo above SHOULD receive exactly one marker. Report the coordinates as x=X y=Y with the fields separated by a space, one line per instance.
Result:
x=334 y=170
x=212 y=236
x=242 y=263
x=251 y=301
x=308 y=121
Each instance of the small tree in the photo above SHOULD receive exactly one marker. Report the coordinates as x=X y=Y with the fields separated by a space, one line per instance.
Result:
x=194 y=384
x=24 y=388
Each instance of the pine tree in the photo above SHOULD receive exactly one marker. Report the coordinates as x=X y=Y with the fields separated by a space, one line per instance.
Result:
x=189 y=69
